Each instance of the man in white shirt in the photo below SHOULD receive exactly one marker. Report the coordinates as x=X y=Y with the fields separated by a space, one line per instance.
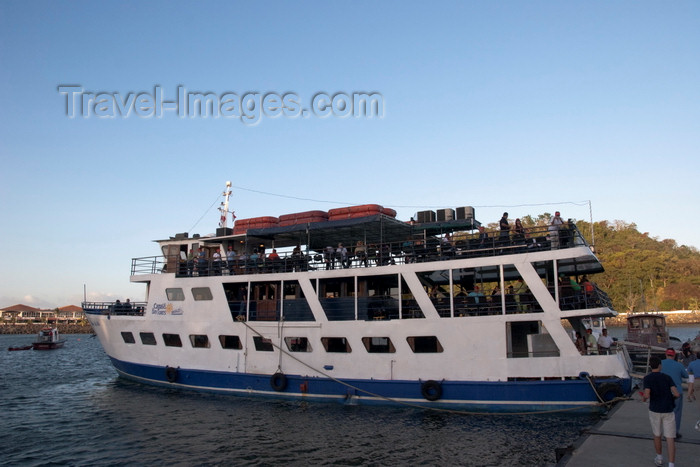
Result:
x=604 y=343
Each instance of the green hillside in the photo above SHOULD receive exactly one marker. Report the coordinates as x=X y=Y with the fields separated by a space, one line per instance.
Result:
x=642 y=273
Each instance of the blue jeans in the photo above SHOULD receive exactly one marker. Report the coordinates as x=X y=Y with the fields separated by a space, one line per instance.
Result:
x=678 y=411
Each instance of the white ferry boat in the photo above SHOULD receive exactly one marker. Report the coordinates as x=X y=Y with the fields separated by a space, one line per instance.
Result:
x=354 y=305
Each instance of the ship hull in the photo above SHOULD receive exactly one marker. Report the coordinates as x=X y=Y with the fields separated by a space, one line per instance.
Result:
x=576 y=395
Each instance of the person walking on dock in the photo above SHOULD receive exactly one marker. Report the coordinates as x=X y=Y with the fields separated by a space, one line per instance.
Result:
x=677 y=372
x=661 y=392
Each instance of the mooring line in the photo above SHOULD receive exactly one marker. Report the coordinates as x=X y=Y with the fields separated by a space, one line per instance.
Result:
x=241 y=319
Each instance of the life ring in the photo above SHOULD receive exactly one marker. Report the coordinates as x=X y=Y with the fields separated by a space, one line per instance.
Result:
x=431 y=390
x=171 y=374
x=278 y=381
x=609 y=391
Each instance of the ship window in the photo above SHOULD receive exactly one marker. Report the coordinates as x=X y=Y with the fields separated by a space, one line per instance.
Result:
x=172 y=340
x=128 y=337
x=201 y=293
x=378 y=297
x=298 y=344
x=337 y=298
x=295 y=305
x=424 y=344
x=336 y=344
x=378 y=345
x=237 y=298
x=175 y=295
x=437 y=285
x=200 y=341
x=147 y=338
x=265 y=301
x=230 y=342
x=262 y=344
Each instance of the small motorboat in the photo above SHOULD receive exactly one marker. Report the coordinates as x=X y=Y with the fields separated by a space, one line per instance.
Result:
x=48 y=339
x=20 y=347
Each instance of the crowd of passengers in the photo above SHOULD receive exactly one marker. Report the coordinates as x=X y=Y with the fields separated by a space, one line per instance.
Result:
x=558 y=234
x=519 y=298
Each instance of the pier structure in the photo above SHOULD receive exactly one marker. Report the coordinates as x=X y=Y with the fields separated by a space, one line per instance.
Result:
x=623 y=437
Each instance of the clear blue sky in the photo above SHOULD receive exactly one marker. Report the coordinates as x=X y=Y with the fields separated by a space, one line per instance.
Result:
x=488 y=104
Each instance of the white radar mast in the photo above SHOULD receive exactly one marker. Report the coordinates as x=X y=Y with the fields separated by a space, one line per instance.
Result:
x=224 y=205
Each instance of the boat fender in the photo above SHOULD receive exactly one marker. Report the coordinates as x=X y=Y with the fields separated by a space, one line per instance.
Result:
x=171 y=374
x=609 y=391
x=278 y=381
x=431 y=390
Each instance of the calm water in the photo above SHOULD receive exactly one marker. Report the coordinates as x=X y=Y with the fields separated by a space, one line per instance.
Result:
x=68 y=407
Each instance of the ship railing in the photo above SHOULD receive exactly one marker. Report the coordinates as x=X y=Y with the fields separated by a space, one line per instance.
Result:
x=114 y=308
x=412 y=250
x=596 y=298
x=638 y=355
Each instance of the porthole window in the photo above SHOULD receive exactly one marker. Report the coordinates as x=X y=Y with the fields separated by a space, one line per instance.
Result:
x=378 y=345
x=128 y=337
x=199 y=341
x=336 y=344
x=147 y=338
x=201 y=293
x=424 y=344
x=175 y=294
x=230 y=342
x=297 y=344
x=172 y=340
x=262 y=344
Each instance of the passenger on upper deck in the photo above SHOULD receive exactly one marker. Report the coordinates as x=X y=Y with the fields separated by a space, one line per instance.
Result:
x=190 y=262
x=202 y=264
x=341 y=253
x=554 y=227
x=518 y=232
x=231 y=259
x=446 y=246
x=216 y=262
x=274 y=261
x=504 y=237
x=328 y=253
x=361 y=252
x=476 y=293
x=483 y=237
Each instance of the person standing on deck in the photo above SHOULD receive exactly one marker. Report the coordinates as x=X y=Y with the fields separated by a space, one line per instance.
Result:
x=677 y=372
x=504 y=237
x=591 y=343
x=660 y=391
x=604 y=343
x=554 y=227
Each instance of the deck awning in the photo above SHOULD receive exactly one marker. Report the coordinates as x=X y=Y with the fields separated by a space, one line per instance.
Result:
x=317 y=235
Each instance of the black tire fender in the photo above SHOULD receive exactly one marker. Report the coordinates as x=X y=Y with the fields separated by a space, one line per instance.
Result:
x=278 y=381
x=431 y=390
x=171 y=374
x=609 y=391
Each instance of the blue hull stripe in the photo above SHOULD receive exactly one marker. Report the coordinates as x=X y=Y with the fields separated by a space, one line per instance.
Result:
x=483 y=396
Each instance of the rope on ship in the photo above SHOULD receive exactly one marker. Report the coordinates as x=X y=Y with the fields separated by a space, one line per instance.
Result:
x=607 y=404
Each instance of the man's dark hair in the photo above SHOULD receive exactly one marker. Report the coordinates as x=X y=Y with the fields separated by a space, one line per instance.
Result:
x=654 y=362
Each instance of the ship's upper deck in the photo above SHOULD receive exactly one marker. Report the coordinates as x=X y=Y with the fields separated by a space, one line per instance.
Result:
x=370 y=241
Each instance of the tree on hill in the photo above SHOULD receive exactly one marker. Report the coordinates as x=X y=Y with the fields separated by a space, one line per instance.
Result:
x=643 y=273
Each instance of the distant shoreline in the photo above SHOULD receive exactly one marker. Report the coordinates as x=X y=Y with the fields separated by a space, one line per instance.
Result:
x=35 y=328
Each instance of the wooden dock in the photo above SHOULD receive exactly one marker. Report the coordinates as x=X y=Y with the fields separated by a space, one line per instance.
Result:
x=624 y=437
